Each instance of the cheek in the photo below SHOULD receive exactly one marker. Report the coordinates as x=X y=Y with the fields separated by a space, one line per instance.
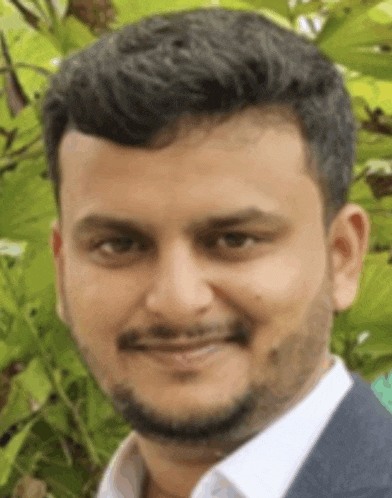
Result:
x=279 y=286
x=94 y=288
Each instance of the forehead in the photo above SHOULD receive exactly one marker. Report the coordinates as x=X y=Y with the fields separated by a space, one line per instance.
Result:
x=253 y=158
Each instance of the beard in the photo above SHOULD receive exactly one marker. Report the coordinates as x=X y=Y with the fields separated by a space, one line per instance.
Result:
x=297 y=359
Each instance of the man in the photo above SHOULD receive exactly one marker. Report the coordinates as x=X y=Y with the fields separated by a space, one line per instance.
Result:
x=201 y=163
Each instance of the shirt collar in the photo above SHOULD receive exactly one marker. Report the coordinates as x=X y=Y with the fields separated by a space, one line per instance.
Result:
x=267 y=464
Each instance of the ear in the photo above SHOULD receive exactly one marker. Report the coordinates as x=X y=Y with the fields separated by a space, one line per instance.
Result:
x=55 y=241
x=348 y=242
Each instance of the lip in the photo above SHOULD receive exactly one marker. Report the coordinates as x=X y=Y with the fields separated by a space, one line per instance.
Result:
x=190 y=359
x=180 y=347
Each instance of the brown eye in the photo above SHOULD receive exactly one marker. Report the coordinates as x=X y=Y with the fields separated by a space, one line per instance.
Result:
x=125 y=245
x=236 y=241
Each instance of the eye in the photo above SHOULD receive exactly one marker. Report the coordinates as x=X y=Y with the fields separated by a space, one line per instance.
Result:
x=234 y=240
x=123 y=243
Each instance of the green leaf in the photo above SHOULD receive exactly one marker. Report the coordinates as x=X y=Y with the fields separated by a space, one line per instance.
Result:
x=372 y=145
x=11 y=20
x=381 y=13
x=277 y=18
x=127 y=13
x=57 y=417
x=371 y=310
x=65 y=484
x=381 y=228
x=367 y=89
x=7 y=354
x=7 y=299
x=306 y=8
x=26 y=123
x=9 y=454
x=373 y=304
x=98 y=409
x=20 y=341
x=109 y=435
x=68 y=358
x=380 y=365
x=27 y=207
x=76 y=35
x=341 y=13
x=279 y=6
x=359 y=107
x=35 y=382
x=5 y=115
x=39 y=273
x=36 y=49
x=18 y=408
x=366 y=28
x=374 y=64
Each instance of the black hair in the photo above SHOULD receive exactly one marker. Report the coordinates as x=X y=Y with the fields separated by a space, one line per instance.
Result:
x=133 y=86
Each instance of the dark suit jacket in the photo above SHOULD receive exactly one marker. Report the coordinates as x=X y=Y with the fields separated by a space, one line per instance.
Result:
x=353 y=456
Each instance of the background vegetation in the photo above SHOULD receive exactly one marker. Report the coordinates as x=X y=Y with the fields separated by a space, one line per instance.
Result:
x=57 y=430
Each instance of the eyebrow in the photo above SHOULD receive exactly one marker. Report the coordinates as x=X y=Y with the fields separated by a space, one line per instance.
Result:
x=97 y=221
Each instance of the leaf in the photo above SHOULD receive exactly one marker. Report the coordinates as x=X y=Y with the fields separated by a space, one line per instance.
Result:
x=306 y=8
x=372 y=145
x=364 y=30
x=141 y=8
x=11 y=20
x=75 y=35
x=16 y=410
x=281 y=7
x=35 y=382
x=7 y=354
x=98 y=408
x=57 y=417
x=341 y=13
x=27 y=127
x=380 y=365
x=378 y=65
x=68 y=357
x=359 y=107
x=375 y=290
x=36 y=49
x=63 y=483
x=8 y=301
x=10 y=452
x=277 y=18
x=39 y=273
x=5 y=115
x=376 y=93
x=371 y=310
x=381 y=228
x=27 y=207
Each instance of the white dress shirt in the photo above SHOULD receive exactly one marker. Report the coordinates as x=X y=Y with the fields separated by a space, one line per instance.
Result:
x=264 y=467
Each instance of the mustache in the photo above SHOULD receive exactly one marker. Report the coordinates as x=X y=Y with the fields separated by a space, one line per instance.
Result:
x=237 y=330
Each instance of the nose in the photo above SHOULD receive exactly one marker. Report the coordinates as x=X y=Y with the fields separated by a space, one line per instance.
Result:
x=179 y=293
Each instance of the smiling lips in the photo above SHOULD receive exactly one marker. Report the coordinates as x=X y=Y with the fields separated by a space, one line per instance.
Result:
x=181 y=346
x=187 y=359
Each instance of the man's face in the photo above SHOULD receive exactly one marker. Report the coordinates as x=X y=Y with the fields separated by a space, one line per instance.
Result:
x=175 y=271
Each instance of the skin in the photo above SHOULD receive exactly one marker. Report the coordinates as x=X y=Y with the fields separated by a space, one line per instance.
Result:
x=284 y=289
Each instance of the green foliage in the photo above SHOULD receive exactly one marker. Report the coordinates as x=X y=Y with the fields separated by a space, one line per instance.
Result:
x=62 y=428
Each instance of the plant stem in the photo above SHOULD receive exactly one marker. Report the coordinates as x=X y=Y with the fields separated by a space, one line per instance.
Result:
x=55 y=382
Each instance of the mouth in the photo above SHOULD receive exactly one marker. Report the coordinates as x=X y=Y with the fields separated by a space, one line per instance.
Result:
x=182 y=346
x=188 y=357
